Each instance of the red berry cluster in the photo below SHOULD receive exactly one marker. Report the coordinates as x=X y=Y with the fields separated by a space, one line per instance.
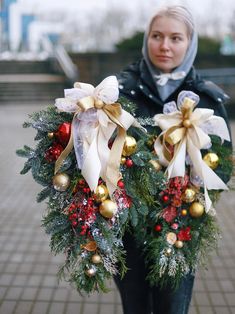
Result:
x=82 y=211
x=171 y=197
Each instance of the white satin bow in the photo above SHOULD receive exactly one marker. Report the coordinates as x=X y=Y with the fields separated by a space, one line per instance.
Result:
x=162 y=79
x=92 y=128
x=188 y=138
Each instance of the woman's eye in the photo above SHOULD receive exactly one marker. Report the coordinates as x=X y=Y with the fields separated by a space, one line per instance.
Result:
x=156 y=36
x=176 y=38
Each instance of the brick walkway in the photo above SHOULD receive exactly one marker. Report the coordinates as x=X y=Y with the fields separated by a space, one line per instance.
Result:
x=28 y=283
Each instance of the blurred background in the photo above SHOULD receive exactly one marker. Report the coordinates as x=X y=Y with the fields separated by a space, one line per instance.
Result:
x=88 y=40
x=44 y=47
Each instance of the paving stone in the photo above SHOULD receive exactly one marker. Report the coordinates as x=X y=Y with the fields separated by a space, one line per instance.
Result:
x=205 y=310
x=227 y=285
x=57 y=308
x=23 y=307
x=91 y=308
x=7 y=307
x=202 y=299
x=14 y=293
x=60 y=294
x=29 y=293
x=45 y=294
x=192 y=310
x=40 y=307
x=230 y=298
x=74 y=308
x=222 y=310
x=217 y=298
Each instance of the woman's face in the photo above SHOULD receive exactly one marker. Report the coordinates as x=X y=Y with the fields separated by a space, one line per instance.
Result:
x=167 y=43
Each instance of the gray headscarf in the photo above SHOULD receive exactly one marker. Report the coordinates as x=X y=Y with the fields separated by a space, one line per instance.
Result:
x=180 y=72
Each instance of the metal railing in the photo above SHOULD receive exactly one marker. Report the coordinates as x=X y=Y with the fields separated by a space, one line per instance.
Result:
x=58 y=51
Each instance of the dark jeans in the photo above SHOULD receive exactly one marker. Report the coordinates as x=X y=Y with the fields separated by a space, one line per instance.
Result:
x=139 y=298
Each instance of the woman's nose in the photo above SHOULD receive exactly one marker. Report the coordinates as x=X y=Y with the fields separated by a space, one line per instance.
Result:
x=165 y=44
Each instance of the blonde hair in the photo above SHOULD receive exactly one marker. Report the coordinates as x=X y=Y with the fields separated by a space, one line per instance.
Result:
x=177 y=12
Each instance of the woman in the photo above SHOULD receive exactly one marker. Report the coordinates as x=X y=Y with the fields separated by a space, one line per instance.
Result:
x=169 y=50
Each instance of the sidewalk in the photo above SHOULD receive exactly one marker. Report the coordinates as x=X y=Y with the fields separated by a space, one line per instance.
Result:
x=28 y=283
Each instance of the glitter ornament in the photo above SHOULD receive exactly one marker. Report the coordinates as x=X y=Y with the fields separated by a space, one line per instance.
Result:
x=212 y=160
x=101 y=193
x=61 y=182
x=188 y=195
x=196 y=209
x=53 y=153
x=108 y=209
x=130 y=146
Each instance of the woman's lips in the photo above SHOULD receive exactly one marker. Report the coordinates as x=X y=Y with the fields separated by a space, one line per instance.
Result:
x=163 y=58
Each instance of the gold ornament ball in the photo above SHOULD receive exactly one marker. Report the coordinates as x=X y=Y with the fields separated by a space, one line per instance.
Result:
x=196 y=209
x=50 y=135
x=123 y=160
x=184 y=212
x=168 y=251
x=130 y=146
x=212 y=160
x=96 y=259
x=108 y=208
x=189 y=195
x=155 y=164
x=61 y=182
x=90 y=272
x=179 y=244
x=101 y=193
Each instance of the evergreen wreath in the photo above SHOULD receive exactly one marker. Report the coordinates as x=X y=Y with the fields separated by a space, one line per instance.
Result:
x=167 y=216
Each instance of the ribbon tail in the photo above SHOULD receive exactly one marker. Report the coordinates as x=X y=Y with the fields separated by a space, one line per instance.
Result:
x=158 y=148
x=112 y=172
x=64 y=154
x=208 y=202
x=176 y=167
x=92 y=166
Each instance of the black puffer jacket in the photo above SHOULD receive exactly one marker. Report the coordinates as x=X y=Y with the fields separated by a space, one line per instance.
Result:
x=136 y=84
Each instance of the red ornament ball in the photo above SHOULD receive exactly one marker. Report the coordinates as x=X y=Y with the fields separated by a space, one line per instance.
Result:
x=121 y=184
x=158 y=228
x=165 y=198
x=129 y=163
x=53 y=153
x=63 y=133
